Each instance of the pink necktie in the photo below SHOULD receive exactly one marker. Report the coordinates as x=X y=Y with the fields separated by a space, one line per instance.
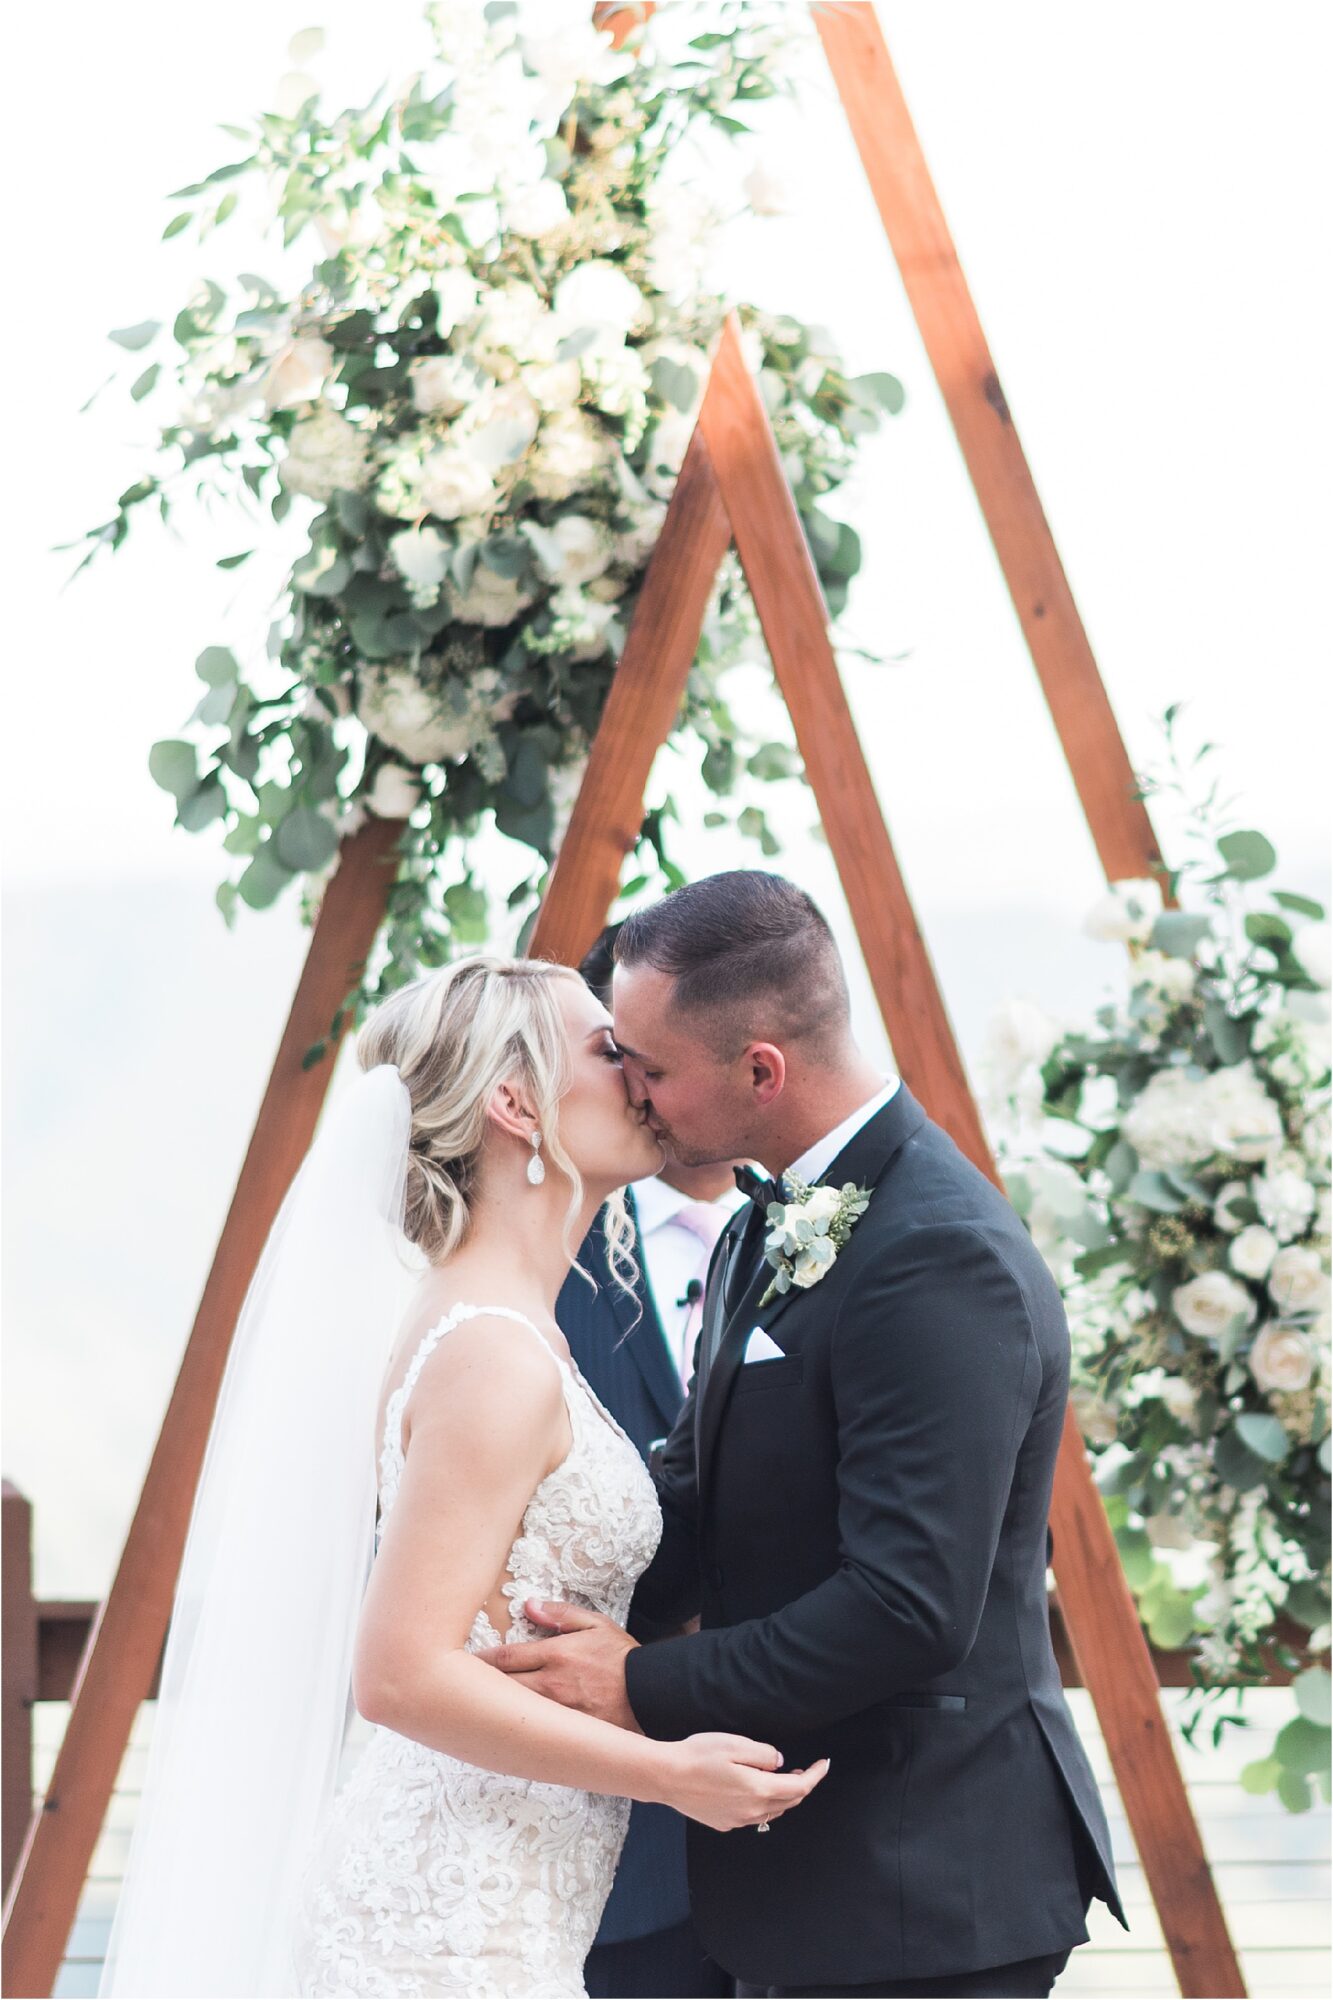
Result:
x=706 y=1220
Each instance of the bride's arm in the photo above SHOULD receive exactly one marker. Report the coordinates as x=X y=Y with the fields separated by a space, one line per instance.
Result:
x=488 y=1424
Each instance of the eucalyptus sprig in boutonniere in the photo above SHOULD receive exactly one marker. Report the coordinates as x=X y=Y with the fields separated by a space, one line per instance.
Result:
x=806 y=1233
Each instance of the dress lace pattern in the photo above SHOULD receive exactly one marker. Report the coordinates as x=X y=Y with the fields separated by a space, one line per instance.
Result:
x=431 y=1876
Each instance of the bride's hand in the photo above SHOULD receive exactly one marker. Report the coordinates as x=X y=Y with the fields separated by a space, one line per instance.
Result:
x=730 y=1781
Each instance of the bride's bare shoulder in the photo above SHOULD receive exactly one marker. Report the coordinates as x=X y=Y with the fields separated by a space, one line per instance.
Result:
x=484 y=1369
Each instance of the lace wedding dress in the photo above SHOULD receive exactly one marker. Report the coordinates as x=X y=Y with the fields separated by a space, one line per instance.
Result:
x=431 y=1876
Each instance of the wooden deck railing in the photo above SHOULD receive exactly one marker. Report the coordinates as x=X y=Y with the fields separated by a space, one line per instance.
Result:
x=44 y=1640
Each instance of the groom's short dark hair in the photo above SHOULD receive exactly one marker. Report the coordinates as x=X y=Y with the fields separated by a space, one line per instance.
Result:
x=742 y=941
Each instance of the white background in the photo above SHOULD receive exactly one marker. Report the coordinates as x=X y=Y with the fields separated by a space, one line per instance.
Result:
x=1138 y=195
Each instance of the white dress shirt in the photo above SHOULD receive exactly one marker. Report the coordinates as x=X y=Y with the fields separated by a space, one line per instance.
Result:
x=671 y=1255
x=824 y=1151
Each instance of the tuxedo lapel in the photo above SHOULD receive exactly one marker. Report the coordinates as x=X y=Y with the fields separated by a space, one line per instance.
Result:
x=862 y=1161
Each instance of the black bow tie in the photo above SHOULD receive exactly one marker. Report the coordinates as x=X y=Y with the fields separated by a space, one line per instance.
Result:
x=760 y=1189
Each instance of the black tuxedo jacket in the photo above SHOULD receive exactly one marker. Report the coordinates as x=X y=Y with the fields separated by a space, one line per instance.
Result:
x=862 y=1525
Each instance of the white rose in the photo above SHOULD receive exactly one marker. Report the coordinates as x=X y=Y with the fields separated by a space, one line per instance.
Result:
x=1298 y=1282
x=442 y=383
x=325 y=455
x=1310 y=947
x=394 y=792
x=421 y=557
x=536 y=210
x=451 y=484
x=585 y=549
x=1208 y=1304
x=1126 y=913
x=1253 y=1250
x=1243 y=1120
x=1281 y=1359
x=598 y=294
x=1285 y=1200
x=1223 y=1217
x=767 y=190
x=409 y=718
x=571 y=450
x=814 y=1259
x=823 y=1203
x=490 y=599
x=299 y=372
x=456 y=298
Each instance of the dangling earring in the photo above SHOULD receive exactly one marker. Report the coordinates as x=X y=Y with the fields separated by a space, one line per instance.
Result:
x=536 y=1166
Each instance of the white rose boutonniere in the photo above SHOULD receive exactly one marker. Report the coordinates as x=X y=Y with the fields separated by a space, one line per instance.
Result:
x=806 y=1233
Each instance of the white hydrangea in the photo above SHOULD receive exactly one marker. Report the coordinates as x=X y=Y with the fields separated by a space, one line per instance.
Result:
x=1285 y=1200
x=636 y=543
x=410 y=719
x=421 y=557
x=515 y=327
x=452 y=483
x=553 y=385
x=1207 y=1305
x=1168 y=1122
x=616 y=381
x=1243 y=1120
x=668 y=442
x=457 y=296
x=582 y=622
x=571 y=451
x=325 y=455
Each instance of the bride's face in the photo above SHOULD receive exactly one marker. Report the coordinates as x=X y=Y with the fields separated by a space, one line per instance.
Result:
x=605 y=1135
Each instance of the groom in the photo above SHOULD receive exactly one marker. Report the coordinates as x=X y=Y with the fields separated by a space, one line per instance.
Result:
x=854 y=1499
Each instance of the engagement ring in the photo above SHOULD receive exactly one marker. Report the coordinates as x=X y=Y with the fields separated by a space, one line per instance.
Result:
x=762 y=1826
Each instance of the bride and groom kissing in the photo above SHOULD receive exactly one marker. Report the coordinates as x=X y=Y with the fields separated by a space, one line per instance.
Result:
x=817 y=1628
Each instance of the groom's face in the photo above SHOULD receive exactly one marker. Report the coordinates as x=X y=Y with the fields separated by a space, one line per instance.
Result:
x=698 y=1104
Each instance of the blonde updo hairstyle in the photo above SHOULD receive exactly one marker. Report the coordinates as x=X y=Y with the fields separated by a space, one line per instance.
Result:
x=453 y=1035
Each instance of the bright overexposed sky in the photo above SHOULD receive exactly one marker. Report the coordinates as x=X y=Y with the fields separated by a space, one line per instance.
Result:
x=1139 y=198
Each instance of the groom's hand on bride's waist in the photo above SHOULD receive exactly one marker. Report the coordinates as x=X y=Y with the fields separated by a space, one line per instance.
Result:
x=581 y=1666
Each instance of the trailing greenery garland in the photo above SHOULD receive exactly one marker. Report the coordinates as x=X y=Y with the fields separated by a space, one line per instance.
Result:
x=1172 y=1162
x=479 y=399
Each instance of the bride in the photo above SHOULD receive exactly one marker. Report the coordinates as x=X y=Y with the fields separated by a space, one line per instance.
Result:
x=471 y=1847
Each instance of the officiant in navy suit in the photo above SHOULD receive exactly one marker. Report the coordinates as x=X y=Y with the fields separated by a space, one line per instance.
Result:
x=638 y=1358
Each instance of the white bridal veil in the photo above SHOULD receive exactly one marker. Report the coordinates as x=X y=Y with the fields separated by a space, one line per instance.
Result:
x=256 y=1676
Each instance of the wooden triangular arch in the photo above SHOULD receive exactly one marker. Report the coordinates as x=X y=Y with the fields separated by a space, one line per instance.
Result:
x=731 y=487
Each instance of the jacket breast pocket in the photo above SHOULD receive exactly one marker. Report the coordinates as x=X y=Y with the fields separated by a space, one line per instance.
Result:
x=771 y=1374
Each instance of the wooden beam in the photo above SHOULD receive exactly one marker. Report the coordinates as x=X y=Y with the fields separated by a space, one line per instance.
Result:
x=778 y=568
x=640 y=709
x=121 y=1659
x=956 y=346
x=18 y=1675
x=1099 y=1610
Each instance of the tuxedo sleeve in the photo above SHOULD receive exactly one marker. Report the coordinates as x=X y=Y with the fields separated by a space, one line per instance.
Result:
x=935 y=1375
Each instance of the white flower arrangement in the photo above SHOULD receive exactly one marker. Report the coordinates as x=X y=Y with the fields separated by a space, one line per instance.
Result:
x=1186 y=1216
x=806 y=1233
x=477 y=404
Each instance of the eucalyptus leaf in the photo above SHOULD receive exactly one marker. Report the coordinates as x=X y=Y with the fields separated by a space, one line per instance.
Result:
x=135 y=337
x=1302 y=1746
x=174 y=765
x=306 y=839
x=217 y=665
x=1264 y=1436
x=1312 y=1690
x=1178 y=934
x=201 y=808
x=1150 y=1188
x=264 y=880
x=1247 y=855
x=1300 y=906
